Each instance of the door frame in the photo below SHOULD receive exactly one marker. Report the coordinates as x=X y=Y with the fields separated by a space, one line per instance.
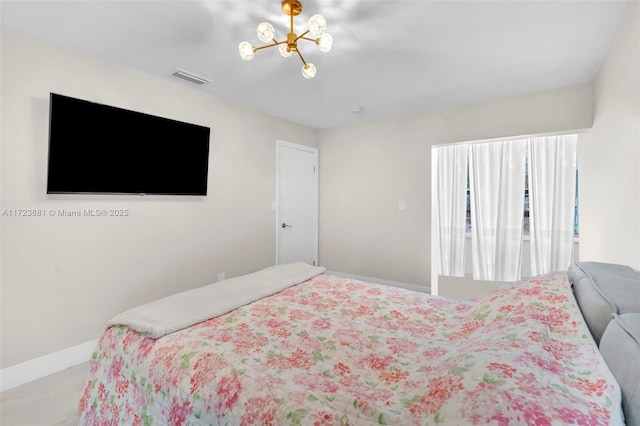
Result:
x=280 y=144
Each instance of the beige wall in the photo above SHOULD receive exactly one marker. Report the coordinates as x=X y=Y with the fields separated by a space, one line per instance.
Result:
x=366 y=169
x=609 y=157
x=63 y=277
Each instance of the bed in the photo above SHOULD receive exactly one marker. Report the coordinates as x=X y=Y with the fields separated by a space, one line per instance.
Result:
x=331 y=350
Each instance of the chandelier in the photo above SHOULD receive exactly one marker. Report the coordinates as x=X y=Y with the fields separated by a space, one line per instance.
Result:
x=266 y=33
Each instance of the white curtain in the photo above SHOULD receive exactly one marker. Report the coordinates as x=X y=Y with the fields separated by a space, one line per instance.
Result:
x=452 y=208
x=552 y=190
x=496 y=179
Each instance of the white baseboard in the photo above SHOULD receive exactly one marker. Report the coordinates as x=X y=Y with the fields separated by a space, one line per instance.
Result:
x=383 y=282
x=35 y=369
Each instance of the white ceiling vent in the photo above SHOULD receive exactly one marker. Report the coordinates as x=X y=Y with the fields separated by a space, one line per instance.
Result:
x=190 y=77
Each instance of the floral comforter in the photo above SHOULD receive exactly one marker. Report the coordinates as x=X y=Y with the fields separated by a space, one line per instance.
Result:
x=335 y=351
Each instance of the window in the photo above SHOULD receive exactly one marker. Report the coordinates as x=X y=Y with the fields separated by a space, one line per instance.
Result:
x=524 y=189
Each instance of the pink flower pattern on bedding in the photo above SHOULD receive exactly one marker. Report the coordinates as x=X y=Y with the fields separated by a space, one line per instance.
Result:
x=333 y=351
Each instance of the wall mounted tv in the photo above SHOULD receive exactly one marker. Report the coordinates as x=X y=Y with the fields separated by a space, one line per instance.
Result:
x=95 y=148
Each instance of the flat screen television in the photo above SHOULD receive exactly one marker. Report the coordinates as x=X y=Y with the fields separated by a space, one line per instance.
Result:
x=101 y=149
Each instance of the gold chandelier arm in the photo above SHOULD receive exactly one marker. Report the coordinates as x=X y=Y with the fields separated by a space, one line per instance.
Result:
x=300 y=54
x=315 y=40
x=275 y=43
x=303 y=36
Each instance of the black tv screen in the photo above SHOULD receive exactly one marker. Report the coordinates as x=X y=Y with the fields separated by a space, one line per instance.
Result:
x=95 y=148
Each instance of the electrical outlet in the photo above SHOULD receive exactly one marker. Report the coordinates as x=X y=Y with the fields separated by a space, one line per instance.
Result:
x=221 y=276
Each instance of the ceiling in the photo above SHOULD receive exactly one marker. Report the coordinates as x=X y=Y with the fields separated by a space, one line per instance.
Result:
x=388 y=57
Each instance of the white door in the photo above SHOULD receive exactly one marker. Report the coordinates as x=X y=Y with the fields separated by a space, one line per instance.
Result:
x=297 y=203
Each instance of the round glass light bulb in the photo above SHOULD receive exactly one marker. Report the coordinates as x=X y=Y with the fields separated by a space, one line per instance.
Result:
x=325 y=42
x=283 y=51
x=246 y=51
x=308 y=71
x=265 y=32
x=317 y=25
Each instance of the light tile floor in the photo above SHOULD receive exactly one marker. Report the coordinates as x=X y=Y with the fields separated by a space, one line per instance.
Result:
x=50 y=401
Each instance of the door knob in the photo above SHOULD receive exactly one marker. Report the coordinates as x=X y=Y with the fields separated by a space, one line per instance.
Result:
x=284 y=225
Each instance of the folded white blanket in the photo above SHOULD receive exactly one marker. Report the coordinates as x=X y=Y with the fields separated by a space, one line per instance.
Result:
x=182 y=310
